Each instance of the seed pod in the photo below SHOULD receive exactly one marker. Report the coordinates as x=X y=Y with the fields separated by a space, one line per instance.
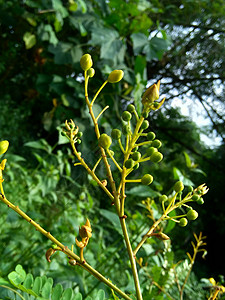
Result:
x=150 y=136
x=129 y=163
x=126 y=116
x=183 y=222
x=145 y=124
x=91 y=72
x=151 y=150
x=178 y=186
x=131 y=108
x=3 y=146
x=104 y=141
x=116 y=134
x=86 y=62
x=115 y=76
x=156 y=144
x=147 y=179
x=156 y=157
x=192 y=214
x=136 y=156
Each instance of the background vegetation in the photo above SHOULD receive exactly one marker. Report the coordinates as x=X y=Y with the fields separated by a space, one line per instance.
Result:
x=181 y=43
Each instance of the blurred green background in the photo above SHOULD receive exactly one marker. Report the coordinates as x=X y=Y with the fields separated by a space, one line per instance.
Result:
x=41 y=85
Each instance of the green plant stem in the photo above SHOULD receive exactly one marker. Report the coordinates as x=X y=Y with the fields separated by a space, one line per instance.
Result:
x=132 y=259
x=64 y=249
x=14 y=291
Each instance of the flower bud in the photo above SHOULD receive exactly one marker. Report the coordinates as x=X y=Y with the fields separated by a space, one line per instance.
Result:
x=192 y=214
x=136 y=156
x=116 y=134
x=156 y=144
x=104 y=141
x=178 y=186
x=200 y=201
x=126 y=116
x=3 y=146
x=150 y=136
x=147 y=179
x=156 y=157
x=131 y=108
x=86 y=62
x=91 y=72
x=145 y=124
x=129 y=163
x=151 y=95
x=115 y=76
x=163 y=198
x=151 y=150
x=183 y=222
x=126 y=129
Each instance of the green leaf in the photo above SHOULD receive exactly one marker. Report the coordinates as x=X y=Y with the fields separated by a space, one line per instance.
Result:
x=100 y=295
x=37 y=285
x=57 y=292
x=46 y=290
x=78 y=296
x=29 y=40
x=179 y=176
x=187 y=159
x=140 y=40
x=112 y=218
x=28 y=282
x=67 y=294
x=15 y=278
x=142 y=191
x=170 y=224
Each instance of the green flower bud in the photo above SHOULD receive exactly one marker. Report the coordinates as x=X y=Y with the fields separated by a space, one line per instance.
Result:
x=156 y=144
x=104 y=141
x=145 y=124
x=129 y=163
x=150 y=95
x=115 y=76
x=82 y=196
x=3 y=146
x=131 y=108
x=183 y=222
x=79 y=134
x=195 y=197
x=156 y=157
x=126 y=129
x=150 y=136
x=147 y=179
x=163 y=198
x=126 y=116
x=136 y=156
x=192 y=214
x=190 y=189
x=151 y=150
x=200 y=201
x=116 y=134
x=91 y=72
x=178 y=186
x=78 y=141
x=86 y=62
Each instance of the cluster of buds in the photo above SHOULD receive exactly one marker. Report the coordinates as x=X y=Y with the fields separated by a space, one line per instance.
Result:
x=71 y=131
x=3 y=148
x=85 y=233
x=150 y=96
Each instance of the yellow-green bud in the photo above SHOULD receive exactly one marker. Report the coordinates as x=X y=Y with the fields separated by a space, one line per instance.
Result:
x=131 y=108
x=86 y=62
x=129 y=163
x=150 y=136
x=145 y=124
x=116 y=134
x=151 y=95
x=115 y=76
x=104 y=141
x=91 y=72
x=178 y=186
x=156 y=157
x=136 y=156
x=183 y=222
x=126 y=116
x=151 y=150
x=156 y=144
x=192 y=214
x=147 y=179
x=3 y=146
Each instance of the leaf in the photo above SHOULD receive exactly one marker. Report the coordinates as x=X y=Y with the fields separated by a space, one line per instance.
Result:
x=140 y=40
x=113 y=218
x=67 y=294
x=29 y=40
x=46 y=290
x=78 y=296
x=187 y=159
x=179 y=176
x=100 y=295
x=37 y=285
x=57 y=292
x=41 y=144
x=170 y=224
x=28 y=282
